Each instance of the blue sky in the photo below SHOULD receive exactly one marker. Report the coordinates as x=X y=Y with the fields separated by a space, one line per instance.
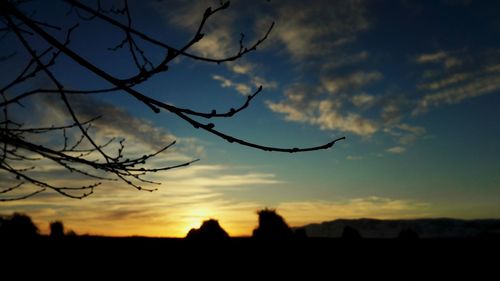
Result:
x=413 y=85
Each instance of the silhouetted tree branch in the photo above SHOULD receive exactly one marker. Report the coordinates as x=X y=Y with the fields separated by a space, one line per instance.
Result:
x=21 y=146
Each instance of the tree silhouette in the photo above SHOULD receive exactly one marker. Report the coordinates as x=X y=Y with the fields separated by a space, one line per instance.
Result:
x=271 y=226
x=56 y=230
x=17 y=226
x=210 y=230
x=21 y=146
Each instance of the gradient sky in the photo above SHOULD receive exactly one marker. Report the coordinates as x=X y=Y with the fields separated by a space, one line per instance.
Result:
x=413 y=85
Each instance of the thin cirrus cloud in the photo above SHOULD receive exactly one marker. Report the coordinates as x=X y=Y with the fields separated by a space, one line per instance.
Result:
x=396 y=150
x=242 y=88
x=351 y=81
x=450 y=86
x=471 y=88
x=440 y=57
x=313 y=30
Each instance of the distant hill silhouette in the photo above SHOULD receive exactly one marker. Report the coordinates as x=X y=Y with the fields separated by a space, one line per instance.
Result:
x=209 y=230
x=423 y=228
x=350 y=233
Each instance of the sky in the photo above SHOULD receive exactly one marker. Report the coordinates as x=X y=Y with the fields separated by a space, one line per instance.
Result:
x=414 y=86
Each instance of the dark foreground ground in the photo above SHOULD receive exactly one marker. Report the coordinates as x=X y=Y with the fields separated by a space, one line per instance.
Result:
x=387 y=258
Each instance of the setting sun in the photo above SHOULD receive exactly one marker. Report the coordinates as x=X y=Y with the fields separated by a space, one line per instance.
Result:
x=193 y=219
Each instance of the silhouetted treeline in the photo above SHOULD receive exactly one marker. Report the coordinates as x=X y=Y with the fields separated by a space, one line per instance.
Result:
x=271 y=227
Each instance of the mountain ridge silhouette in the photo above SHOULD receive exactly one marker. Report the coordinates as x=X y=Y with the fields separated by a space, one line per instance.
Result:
x=391 y=228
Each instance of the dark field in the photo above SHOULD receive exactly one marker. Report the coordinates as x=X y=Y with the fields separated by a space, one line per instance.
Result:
x=95 y=258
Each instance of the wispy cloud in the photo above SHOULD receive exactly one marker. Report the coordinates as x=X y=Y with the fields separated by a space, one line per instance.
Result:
x=446 y=59
x=323 y=105
x=242 y=88
x=344 y=59
x=324 y=113
x=363 y=100
x=431 y=57
x=473 y=88
x=396 y=150
x=315 y=29
x=354 y=80
x=445 y=82
x=241 y=67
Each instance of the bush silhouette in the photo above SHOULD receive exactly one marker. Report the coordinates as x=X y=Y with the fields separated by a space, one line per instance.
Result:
x=350 y=233
x=56 y=230
x=272 y=226
x=18 y=226
x=210 y=230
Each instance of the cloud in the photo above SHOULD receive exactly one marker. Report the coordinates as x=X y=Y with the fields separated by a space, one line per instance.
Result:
x=291 y=112
x=258 y=81
x=445 y=82
x=242 y=88
x=241 y=67
x=310 y=105
x=331 y=119
x=431 y=57
x=352 y=81
x=396 y=150
x=363 y=100
x=473 y=88
x=475 y=74
x=404 y=133
x=341 y=60
x=326 y=115
x=314 y=30
x=447 y=60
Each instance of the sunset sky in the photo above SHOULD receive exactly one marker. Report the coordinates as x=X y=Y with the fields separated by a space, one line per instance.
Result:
x=414 y=86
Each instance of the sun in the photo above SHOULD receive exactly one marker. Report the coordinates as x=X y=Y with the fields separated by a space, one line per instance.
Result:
x=194 y=218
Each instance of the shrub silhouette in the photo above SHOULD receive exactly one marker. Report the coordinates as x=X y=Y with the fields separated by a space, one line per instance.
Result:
x=272 y=226
x=18 y=226
x=350 y=233
x=210 y=230
x=56 y=230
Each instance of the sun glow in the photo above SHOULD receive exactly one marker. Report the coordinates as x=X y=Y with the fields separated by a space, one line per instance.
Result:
x=194 y=218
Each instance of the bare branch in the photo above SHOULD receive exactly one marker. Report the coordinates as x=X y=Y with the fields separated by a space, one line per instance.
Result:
x=78 y=151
